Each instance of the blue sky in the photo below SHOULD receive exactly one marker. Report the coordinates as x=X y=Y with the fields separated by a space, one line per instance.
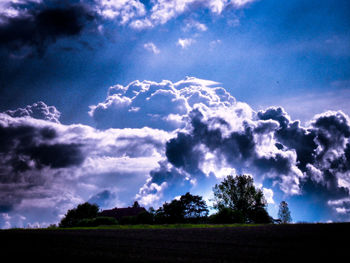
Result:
x=264 y=53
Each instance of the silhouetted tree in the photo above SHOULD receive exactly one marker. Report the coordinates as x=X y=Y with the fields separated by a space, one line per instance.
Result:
x=187 y=208
x=284 y=213
x=173 y=212
x=194 y=206
x=241 y=196
x=83 y=211
x=136 y=205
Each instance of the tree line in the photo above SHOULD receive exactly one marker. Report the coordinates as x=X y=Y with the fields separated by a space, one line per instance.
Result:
x=236 y=200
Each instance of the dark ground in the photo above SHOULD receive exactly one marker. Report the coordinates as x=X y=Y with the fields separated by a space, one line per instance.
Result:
x=271 y=243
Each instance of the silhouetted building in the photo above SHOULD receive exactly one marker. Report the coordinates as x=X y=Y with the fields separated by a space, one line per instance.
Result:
x=119 y=213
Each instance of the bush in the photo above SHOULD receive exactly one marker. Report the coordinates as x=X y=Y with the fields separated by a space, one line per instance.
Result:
x=128 y=220
x=260 y=216
x=106 y=221
x=145 y=218
x=227 y=216
x=74 y=216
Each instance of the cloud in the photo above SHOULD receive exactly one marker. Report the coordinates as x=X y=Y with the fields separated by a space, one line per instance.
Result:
x=35 y=25
x=124 y=10
x=305 y=106
x=161 y=105
x=151 y=47
x=47 y=167
x=192 y=24
x=28 y=27
x=162 y=11
x=38 y=110
x=306 y=162
x=214 y=133
x=322 y=152
x=159 y=140
x=185 y=42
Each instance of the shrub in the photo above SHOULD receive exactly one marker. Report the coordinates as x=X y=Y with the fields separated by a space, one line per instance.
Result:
x=227 y=216
x=83 y=211
x=145 y=218
x=128 y=220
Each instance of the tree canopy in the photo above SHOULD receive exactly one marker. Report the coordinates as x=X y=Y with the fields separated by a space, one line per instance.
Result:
x=244 y=200
x=81 y=212
x=187 y=208
x=284 y=213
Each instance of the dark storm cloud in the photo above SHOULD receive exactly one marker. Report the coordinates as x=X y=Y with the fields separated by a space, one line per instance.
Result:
x=42 y=24
x=291 y=135
x=187 y=155
x=56 y=156
x=239 y=148
x=311 y=162
x=323 y=153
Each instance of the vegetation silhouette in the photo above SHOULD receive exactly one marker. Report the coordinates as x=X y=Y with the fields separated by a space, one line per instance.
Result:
x=187 y=209
x=85 y=211
x=284 y=213
x=239 y=201
x=236 y=199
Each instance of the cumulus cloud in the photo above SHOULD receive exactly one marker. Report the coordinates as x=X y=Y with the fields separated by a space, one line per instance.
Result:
x=159 y=140
x=309 y=162
x=38 y=110
x=161 y=105
x=322 y=150
x=215 y=134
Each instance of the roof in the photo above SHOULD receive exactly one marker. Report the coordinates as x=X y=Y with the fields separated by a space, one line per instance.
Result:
x=118 y=213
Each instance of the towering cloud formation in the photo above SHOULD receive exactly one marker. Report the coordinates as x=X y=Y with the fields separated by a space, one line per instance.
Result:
x=159 y=140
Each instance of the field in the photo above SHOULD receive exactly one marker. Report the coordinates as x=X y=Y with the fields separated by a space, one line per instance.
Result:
x=266 y=243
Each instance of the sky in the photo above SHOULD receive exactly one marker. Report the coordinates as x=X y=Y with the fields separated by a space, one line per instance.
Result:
x=112 y=101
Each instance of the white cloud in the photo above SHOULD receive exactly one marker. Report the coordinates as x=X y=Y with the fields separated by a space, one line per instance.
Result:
x=163 y=105
x=38 y=110
x=185 y=42
x=241 y=3
x=163 y=10
x=192 y=24
x=268 y=193
x=9 y=8
x=151 y=47
x=124 y=10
